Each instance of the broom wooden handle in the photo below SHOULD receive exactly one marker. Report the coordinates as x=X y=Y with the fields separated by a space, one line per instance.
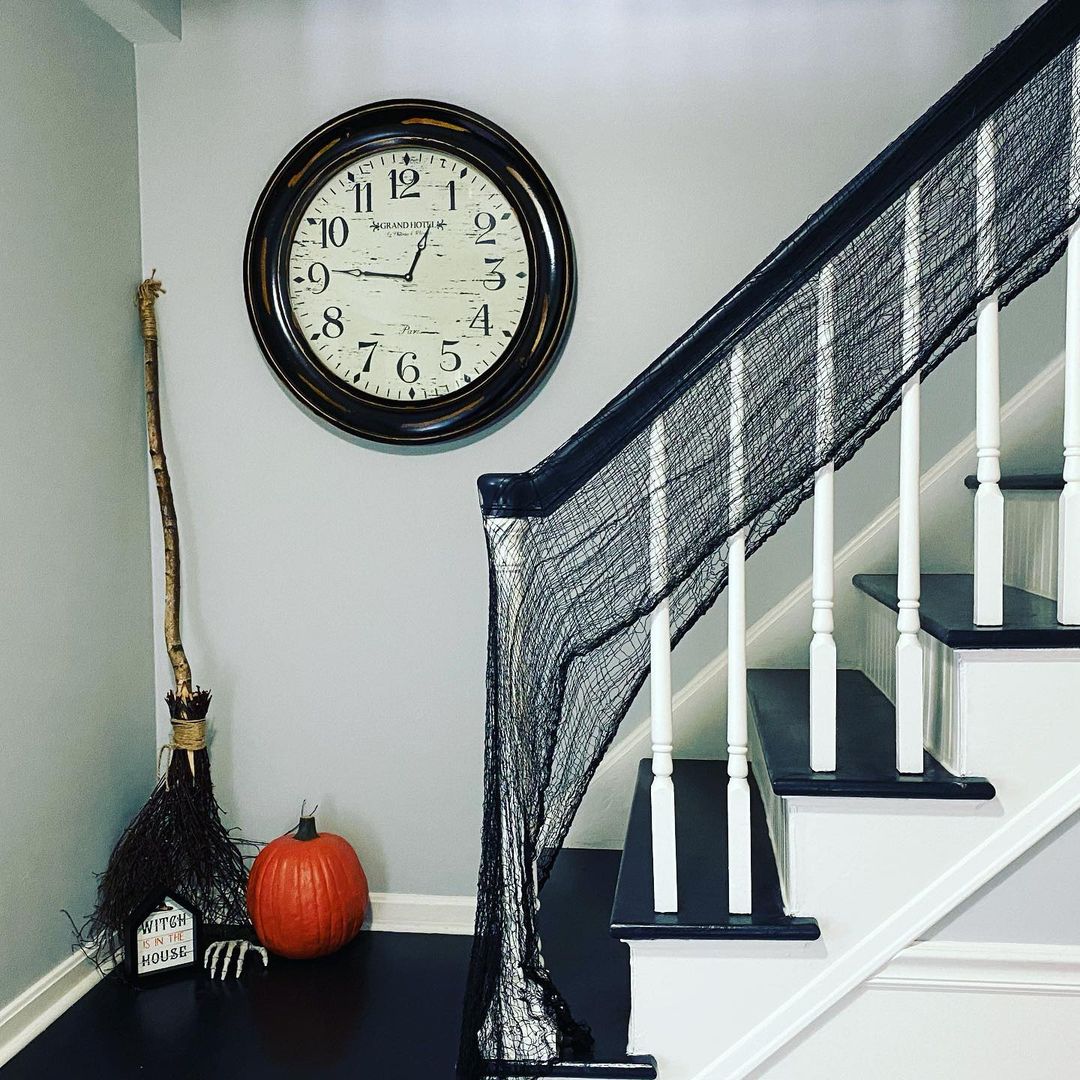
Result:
x=147 y=294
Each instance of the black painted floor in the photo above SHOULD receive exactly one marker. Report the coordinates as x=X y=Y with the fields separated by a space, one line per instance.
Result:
x=387 y=1007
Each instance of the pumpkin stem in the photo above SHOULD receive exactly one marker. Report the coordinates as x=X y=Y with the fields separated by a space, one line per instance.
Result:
x=306 y=829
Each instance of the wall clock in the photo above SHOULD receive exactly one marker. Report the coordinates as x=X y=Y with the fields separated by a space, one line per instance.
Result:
x=409 y=272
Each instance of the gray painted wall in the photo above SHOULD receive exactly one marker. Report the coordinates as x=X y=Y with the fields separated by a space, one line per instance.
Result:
x=76 y=661
x=337 y=599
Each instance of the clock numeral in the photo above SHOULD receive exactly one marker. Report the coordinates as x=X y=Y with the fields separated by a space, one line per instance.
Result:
x=495 y=280
x=401 y=181
x=483 y=317
x=452 y=188
x=485 y=223
x=371 y=346
x=334 y=232
x=363 y=197
x=404 y=369
x=455 y=360
x=332 y=325
x=315 y=272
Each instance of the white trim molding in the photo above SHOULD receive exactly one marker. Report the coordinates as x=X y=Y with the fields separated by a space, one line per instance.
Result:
x=983 y=966
x=40 y=1004
x=414 y=913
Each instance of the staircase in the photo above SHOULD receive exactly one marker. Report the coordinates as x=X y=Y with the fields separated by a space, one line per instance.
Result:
x=850 y=866
x=856 y=807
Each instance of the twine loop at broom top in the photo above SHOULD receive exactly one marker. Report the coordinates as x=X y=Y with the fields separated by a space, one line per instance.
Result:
x=147 y=293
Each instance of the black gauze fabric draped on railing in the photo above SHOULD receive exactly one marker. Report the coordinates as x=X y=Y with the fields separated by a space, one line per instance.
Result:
x=571 y=577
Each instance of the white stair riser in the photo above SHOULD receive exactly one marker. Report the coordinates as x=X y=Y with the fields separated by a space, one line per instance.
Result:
x=1002 y=708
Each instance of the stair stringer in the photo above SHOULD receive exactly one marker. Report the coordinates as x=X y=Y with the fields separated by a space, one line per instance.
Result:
x=875 y=873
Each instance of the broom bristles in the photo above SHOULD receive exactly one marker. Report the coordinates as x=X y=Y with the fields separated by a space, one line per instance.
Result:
x=178 y=842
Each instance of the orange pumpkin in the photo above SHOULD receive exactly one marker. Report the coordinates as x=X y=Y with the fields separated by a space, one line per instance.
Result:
x=307 y=893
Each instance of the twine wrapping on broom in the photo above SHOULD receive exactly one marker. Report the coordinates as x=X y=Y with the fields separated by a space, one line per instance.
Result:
x=186 y=735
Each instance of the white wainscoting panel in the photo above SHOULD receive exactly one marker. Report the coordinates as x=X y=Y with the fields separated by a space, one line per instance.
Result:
x=942 y=717
x=775 y=816
x=1031 y=541
x=977 y=1010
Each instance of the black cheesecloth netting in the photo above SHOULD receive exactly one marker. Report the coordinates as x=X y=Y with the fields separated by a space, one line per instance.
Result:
x=572 y=583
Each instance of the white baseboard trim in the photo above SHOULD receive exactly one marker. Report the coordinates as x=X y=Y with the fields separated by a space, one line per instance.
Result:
x=993 y=967
x=40 y=1004
x=415 y=913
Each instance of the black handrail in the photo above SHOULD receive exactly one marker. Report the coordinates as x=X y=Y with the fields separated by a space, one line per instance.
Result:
x=963 y=109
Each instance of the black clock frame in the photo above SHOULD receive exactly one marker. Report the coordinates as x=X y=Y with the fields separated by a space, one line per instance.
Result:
x=549 y=307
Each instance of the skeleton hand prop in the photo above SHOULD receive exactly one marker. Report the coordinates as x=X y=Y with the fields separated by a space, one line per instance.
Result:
x=237 y=945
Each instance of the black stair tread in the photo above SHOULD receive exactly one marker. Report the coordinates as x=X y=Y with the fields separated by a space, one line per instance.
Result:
x=590 y=969
x=865 y=743
x=701 y=845
x=1023 y=482
x=946 y=608
x=640 y=1068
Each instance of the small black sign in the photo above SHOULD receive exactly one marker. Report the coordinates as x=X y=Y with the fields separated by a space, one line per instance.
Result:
x=162 y=939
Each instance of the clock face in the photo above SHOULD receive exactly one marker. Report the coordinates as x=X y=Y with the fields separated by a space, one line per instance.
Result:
x=408 y=274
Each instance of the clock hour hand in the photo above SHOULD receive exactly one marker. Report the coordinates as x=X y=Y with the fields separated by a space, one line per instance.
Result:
x=371 y=273
x=419 y=248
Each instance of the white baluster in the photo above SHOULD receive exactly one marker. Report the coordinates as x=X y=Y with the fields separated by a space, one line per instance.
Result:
x=665 y=878
x=909 y=657
x=989 y=505
x=822 y=645
x=1069 y=506
x=738 y=792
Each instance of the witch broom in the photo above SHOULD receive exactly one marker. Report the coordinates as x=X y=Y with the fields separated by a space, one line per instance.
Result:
x=177 y=840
